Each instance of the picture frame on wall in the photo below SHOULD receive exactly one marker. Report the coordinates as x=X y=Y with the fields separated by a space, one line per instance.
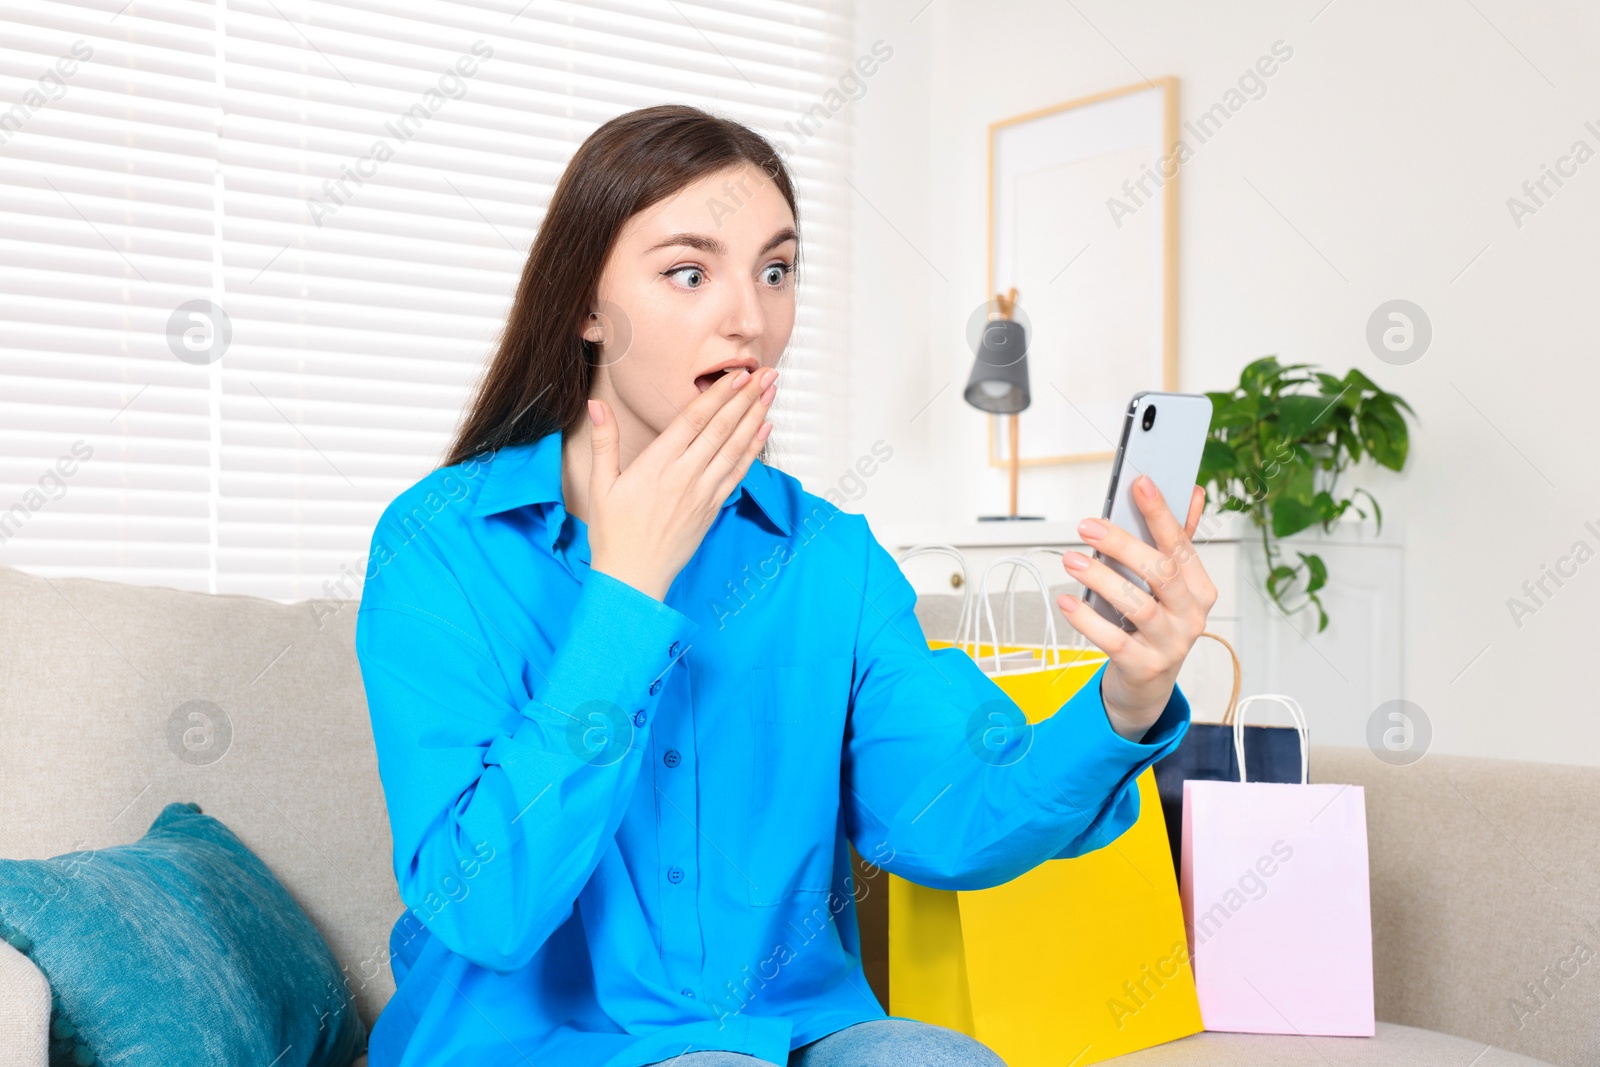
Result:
x=1083 y=222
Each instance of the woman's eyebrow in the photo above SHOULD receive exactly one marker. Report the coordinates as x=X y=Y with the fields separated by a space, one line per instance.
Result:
x=714 y=247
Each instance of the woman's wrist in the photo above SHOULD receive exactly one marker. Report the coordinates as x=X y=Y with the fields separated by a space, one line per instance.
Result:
x=1129 y=726
x=650 y=586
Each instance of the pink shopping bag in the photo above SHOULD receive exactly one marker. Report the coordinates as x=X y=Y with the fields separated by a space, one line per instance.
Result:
x=1276 y=902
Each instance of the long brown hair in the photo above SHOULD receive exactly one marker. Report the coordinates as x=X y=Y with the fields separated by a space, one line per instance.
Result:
x=540 y=376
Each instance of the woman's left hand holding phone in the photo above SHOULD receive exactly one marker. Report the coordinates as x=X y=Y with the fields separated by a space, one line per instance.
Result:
x=1144 y=664
x=646 y=522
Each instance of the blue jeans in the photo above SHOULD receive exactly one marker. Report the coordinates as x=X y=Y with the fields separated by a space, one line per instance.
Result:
x=891 y=1042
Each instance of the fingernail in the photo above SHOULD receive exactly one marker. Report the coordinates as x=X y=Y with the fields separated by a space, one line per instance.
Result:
x=737 y=378
x=768 y=376
x=1093 y=529
x=761 y=434
x=1069 y=604
x=1145 y=486
x=594 y=412
x=1075 y=561
x=768 y=393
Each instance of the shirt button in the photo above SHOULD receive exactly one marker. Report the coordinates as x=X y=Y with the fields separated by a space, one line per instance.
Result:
x=673 y=651
x=686 y=991
x=639 y=717
x=674 y=874
x=672 y=759
x=655 y=687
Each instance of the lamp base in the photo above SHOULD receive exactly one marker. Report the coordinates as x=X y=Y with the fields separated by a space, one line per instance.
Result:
x=1010 y=518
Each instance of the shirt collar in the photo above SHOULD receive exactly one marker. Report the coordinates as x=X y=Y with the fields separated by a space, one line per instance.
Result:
x=531 y=474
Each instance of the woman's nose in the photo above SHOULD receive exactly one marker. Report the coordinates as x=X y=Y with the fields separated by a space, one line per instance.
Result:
x=746 y=316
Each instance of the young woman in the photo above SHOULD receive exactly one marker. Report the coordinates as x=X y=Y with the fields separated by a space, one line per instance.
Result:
x=634 y=690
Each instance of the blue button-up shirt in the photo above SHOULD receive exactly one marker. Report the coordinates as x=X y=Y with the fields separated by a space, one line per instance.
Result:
x=620 y=824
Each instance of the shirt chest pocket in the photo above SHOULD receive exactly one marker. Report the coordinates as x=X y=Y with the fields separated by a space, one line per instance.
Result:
x=797 y=716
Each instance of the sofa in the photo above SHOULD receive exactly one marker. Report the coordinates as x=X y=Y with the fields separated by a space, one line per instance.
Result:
x=1485 y=873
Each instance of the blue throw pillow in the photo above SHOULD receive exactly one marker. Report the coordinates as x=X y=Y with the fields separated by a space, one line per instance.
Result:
x=179 y=948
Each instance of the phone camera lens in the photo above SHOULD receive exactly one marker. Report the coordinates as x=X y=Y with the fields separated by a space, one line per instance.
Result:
x=1149 y=417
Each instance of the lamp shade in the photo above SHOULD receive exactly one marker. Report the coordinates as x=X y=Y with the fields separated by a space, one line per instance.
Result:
x=999 y=379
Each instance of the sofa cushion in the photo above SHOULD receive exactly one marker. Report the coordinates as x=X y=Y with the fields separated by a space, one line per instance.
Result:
x=180 y=947
x=117 y=699
x=1392 y=1046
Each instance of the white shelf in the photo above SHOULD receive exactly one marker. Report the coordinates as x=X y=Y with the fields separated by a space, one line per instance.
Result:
x=1214 y=529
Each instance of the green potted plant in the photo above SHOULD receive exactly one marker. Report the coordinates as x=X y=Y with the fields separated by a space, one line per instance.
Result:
x=1279 y=442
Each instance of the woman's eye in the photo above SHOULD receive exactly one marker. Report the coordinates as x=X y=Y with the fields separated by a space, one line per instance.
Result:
x=689 y=270
x=776 y=273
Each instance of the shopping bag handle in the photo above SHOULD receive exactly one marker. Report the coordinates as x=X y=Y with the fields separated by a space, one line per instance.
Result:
x=1052 y=642
x=938 y=548
x=1238 y=675
x=1300 y=727
x=1079 y=642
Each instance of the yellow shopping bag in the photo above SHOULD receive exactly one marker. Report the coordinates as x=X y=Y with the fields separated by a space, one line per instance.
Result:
x=1072 y=963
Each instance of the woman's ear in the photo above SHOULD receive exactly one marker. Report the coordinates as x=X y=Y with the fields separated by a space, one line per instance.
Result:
x=594 y=331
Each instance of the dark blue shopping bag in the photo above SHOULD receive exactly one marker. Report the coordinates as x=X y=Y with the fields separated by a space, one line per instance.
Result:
x=1206 y=752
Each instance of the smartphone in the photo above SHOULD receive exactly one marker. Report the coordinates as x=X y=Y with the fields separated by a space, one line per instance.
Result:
x=1163 y=436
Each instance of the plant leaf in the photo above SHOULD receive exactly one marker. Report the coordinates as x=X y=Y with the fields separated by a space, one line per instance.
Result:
x=1258 y=376
x=1361 y=381
x=1328 y=509
x=1290 y=516
x=1347 y=439
x=1300 y=483
x=1399 y=401
x=1377 y=512
x=1298 y=416
x=1318 y=571
x=1217 y=460
x=1280 y=573
x=1384 y=434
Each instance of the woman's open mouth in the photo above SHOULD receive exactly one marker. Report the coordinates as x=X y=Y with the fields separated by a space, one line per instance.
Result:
x=708 y=379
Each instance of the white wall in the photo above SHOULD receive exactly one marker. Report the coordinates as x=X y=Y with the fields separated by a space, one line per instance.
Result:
x=1391 y=141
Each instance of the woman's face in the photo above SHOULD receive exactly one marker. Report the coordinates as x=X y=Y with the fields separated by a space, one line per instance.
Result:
x=695 y=285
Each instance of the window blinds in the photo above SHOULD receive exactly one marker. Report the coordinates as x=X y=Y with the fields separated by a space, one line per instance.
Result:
x=256 y=252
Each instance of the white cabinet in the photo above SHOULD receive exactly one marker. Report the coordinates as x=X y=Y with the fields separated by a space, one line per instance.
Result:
x=1339 y=676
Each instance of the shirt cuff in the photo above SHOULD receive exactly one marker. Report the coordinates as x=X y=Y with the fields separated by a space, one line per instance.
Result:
x=1082 y=761
x=616 y=659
